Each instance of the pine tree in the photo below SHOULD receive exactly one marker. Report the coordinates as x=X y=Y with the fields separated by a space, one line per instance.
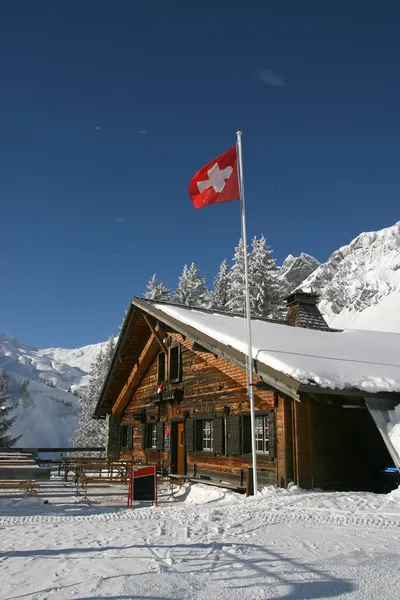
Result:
x=92 y=431
x=220 y=295
x=157 y=291
x=263 y=287
x=6 y=439
x=192 y=288
x=236 y=294
x=25 y=398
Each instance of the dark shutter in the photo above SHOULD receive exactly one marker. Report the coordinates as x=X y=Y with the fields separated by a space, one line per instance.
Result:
x=129 y=437
x=143 y=428
x=161 y=367
x=123 y=436
x=246 y=434
x=234 y=441
x=175 y=364
x=218 y=442
x=198 y=434
x=190 y=435
x=160 y=436
x=272 y=440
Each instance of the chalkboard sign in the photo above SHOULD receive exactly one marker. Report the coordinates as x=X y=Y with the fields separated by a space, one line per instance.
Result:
x=142 y=485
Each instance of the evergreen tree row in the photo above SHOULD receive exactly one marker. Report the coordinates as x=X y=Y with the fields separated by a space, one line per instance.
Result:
x=228 y=292
x=6 y=408
x=91 y=432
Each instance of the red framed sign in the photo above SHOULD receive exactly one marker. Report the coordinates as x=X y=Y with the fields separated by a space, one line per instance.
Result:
x=142 y=485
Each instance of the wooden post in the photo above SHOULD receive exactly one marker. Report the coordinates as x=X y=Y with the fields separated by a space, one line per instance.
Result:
x=249 y=482
x=155 y=333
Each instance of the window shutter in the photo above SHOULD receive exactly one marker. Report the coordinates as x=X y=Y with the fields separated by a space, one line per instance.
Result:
x=144 y=435
x=272 y=440
x=123 y=437
x=190 y=435
x=234 y=441
x=129 y=437
x=218 y=442
x=160 y=367
x=246 y=434
x=160 y=436
x=174 y=364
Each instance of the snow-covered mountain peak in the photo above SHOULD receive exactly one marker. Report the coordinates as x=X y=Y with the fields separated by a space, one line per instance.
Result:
x=360 y=277
x=295 y=269
x=47 y=415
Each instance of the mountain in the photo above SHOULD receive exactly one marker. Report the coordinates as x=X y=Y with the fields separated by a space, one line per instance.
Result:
x=359 y=284
x=294 y=270
x=48 y=412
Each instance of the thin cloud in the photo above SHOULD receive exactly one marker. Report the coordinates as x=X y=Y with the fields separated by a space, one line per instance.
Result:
x=142 y=132
x=119 y=219
x=269 y=77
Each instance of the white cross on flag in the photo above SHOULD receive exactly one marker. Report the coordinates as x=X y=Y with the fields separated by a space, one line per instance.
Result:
x=217 y=181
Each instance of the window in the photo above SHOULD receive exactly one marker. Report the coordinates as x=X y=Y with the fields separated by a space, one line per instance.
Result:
x=262 y=434
x=123 y=436
x=161 y=368
x=238 y=435
x=207 y=434
x=174 y=374
x=153 y=435
x=167 y=438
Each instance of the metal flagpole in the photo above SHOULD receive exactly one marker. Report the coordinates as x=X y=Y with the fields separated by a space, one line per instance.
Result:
x=248 y=315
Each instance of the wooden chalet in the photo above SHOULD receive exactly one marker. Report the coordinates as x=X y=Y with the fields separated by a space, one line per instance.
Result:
x=175 y=396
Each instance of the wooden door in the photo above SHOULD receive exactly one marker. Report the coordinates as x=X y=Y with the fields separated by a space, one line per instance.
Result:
x=180 y=449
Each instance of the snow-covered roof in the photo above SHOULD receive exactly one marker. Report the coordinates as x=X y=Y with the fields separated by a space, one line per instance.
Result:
x=365 y=360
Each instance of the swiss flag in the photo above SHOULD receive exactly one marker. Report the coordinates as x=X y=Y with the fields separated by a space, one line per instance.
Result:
x=216 y=182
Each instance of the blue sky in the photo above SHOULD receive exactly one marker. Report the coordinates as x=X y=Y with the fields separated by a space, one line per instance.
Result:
x=108 y=108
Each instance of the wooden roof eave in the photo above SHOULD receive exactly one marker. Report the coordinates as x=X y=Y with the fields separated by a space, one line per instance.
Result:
x=281 y=382
x=116 y=358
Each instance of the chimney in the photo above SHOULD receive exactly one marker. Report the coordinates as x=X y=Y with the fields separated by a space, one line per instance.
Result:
x=302 y=311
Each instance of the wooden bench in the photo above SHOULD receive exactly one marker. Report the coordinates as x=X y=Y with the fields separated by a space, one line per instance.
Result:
x=17 y=463
x=28 y=486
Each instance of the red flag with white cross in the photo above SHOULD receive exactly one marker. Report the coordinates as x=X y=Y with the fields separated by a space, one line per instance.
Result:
x=216 y=182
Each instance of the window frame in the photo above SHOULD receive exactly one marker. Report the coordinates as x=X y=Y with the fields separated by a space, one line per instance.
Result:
x=264 y=438
x=153 y=436
x=207 y=435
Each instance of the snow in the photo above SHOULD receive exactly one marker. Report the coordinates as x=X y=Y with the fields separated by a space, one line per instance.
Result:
x=393 y=428
x=359 y=284
x=384 y=316
x=282 y=544
x=66 y=368
x=50 y=417
x=48 y=420
x=366 y=360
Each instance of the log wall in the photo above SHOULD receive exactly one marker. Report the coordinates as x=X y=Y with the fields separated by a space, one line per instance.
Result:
x=209 y=384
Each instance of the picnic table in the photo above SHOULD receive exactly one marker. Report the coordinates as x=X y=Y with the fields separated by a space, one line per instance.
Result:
x=68 y=463
x=94 y=467
x=100 y=473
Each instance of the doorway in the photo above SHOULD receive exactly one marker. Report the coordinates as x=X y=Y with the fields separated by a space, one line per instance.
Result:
x=178 y=462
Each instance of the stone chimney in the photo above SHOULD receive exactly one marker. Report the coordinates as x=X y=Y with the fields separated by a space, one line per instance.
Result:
x=302 y=311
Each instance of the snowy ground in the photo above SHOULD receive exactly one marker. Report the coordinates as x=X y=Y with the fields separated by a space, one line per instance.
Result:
x=203 y=544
